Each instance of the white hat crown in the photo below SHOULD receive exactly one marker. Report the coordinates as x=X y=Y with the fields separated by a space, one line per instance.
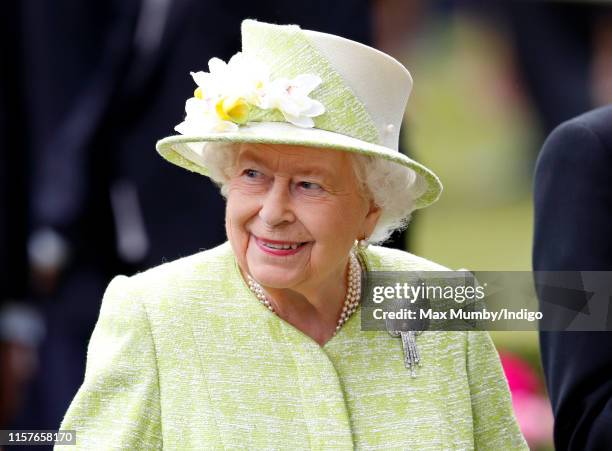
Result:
x=379 y=81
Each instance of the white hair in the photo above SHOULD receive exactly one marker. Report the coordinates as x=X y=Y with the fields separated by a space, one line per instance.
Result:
x=393 y=187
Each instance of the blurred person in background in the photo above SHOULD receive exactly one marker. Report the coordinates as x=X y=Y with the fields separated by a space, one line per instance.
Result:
x=573 y=220
x=561 y=48
x=562 y=52
x=21 y=327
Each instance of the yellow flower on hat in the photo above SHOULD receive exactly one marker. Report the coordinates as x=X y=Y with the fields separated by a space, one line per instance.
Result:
x=235 y=109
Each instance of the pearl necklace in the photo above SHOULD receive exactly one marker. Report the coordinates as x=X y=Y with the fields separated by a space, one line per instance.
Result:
x=353 y=294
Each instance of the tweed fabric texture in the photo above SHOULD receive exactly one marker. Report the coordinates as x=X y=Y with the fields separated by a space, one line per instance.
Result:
x=185 y=357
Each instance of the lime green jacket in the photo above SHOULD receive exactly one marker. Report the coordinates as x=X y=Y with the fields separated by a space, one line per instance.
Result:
x=183 y=356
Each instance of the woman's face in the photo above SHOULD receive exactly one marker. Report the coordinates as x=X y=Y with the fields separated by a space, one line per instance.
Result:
x=293 y=214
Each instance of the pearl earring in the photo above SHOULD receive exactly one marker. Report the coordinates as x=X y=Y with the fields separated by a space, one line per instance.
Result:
x=363 y=244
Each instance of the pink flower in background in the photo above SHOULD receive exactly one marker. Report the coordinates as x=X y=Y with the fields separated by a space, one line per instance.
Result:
x=531 y=406
x=520 y=375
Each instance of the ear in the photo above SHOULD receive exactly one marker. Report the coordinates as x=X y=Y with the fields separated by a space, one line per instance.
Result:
x=371 y=220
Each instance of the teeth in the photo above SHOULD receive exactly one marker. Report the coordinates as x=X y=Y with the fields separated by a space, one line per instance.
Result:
x=281 y=246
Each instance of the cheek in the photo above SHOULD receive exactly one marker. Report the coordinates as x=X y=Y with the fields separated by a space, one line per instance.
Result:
x=237 y=213
x=336 y=225
x=349 y=221
x=236 y=232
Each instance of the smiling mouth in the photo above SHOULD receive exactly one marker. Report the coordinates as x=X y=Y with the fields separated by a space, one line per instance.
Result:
x=280 y=245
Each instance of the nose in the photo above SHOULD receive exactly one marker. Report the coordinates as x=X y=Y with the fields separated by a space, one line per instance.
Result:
x=276 y=204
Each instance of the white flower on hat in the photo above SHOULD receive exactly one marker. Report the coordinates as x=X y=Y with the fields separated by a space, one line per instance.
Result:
x=225 y=95
x=201 y=118
x=242 y=76
x=290 y=97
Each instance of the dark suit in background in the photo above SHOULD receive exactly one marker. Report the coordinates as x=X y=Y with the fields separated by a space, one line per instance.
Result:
x=573 y=232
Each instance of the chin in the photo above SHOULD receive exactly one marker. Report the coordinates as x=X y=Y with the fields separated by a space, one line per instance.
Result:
x=274 y=278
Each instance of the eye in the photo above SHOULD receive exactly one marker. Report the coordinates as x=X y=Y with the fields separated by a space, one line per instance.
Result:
x=252 y=173
x=310 y=186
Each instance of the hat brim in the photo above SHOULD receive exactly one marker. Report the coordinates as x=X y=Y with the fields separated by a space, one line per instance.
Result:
x=185 y=150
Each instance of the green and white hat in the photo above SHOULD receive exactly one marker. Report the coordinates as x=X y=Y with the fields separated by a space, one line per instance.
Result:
x=299 y=87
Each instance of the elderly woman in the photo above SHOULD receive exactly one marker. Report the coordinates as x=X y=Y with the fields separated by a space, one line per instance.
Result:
x=256 y=344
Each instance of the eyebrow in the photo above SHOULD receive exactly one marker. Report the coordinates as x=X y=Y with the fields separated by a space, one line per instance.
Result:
x=309 y=169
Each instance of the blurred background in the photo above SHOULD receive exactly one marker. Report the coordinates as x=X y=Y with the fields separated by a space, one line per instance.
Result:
x=88 y=87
